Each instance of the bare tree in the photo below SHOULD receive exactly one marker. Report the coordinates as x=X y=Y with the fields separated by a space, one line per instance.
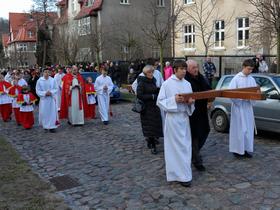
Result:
x=42 y=8
x=159 y=26
x=267 y=17
x=203 y=13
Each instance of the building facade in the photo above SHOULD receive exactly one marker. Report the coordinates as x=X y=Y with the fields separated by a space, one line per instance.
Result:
x=109 y=29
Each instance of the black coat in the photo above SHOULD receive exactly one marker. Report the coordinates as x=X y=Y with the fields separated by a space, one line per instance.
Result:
x=199 y=120
x=147 y=91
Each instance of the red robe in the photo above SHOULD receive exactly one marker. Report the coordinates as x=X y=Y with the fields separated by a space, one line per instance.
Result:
x=12 y=93
x=5 y=109
x=66 y=95
x=26 y=118
x=90 y=108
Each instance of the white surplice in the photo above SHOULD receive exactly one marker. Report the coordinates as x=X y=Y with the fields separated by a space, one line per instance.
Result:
x=58 y=78
x=22 y=82
x=241 y=136
x=177 y=133
x=48 y=115
x=75 y=114
x=103 y=97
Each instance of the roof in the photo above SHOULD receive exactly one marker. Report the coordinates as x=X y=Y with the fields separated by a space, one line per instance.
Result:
x=16 y=21
x=88 y=10
x=5 y=39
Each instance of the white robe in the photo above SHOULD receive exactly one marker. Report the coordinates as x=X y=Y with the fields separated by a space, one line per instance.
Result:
x=4 y=97
x=103 y=97
x=241 y=136
x=22 y=82
x=75 y=114
x=48 y=115
x=27 y=108
x=177 y=133
x=58 y=78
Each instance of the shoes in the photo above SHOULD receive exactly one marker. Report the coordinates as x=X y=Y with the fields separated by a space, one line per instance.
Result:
x=238 y=155
x=248 y=155
x=186 y=184
x=156 y=141
x=200 y=167
x=149 y=145
x=52 y=131
x=154 y=149
x=105 y=122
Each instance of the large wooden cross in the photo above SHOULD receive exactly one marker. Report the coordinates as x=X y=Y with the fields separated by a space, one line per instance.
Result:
x=250 y=93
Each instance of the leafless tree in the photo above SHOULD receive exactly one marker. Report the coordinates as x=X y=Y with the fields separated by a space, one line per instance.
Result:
x=158 y=27
x=202 y=14
x=266 y=18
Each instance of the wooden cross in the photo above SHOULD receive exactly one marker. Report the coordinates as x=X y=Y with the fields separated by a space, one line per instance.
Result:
x=250 y=93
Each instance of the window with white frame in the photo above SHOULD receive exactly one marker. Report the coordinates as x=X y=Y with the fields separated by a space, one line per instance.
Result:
x=124 y=1
x=188 y=1
x=155 y=52
x=219 y=37
x=73 y=5
x=89 y=3
x=243 y=32
x=160 y=3
x=84 y=26
x=30 y=34
x=22 y=47
x=189 y=36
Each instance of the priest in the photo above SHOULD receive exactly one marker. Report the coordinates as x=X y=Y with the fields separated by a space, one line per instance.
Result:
x=46 y=89
x=177 y=133
x=72 y=98
x=241 y=134
x=103 y=86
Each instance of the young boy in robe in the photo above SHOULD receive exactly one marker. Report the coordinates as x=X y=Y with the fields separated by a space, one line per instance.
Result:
x=5 y=100
x=90 y=98
x=26 y=100
x=14 y=91
x=103 y=87
x=241 y=135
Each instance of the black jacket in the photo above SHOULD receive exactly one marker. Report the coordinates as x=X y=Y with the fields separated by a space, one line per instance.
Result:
x=147 y=91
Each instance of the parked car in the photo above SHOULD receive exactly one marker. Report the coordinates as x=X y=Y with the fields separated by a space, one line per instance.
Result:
x=115 y=94
x=267 y=112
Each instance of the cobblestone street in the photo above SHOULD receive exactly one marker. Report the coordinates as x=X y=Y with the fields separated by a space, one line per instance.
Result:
x=116 y=170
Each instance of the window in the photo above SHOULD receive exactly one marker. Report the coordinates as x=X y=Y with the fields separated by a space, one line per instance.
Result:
x=160 y=3
x=189 y=35
x=30 y=34
x=124 y=49
x=267 y=86
x=226 y=82
x=243 y=32
x=84 y=26
x=89 y=3
x=188 y=1
x=124 y=1
x=22 y=47
x=155 y=53
x=73 y=5
x=219 y=37
x=277 y=80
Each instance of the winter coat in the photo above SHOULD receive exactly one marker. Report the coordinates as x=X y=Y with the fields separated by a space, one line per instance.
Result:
x=199 y=120
x=147 y=91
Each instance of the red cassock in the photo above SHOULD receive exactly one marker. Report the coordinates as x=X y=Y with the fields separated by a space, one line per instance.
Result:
x=66 y=95
x=5 y=109
x=27 y=118
x=12 y=93
x=90 y=108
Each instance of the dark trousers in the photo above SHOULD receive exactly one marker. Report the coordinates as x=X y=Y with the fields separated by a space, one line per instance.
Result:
x=197 y=144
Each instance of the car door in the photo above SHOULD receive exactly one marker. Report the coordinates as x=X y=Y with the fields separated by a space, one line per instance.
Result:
x=267 y=112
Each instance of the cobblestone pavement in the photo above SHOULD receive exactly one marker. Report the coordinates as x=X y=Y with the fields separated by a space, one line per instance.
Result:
x=117 y=171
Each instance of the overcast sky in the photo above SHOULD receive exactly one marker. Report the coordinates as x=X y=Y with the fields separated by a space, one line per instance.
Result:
x=7 y=6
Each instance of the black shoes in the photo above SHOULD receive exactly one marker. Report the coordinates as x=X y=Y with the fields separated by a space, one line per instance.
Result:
x=246 y=155
x=52 y=131
x=105 y=122
x=200 y=167
x=154 y=150
x=186 y=184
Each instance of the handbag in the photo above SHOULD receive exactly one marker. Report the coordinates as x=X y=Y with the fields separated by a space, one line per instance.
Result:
x=138 y=106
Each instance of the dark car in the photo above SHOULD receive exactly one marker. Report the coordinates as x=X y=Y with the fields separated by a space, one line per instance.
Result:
x=267 y=112
x=115 y=94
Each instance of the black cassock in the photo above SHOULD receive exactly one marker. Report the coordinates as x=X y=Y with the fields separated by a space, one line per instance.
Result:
x=199 y=121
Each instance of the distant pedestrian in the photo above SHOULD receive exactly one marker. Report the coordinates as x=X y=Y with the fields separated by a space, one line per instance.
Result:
x=168 y=70
x=209 y=69
x=263 y=67
x=273 y=66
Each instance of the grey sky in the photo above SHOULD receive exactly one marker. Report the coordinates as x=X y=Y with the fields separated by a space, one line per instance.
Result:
x=7 y=6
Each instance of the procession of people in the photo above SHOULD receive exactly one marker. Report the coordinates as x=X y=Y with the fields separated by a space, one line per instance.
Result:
x=184 y=125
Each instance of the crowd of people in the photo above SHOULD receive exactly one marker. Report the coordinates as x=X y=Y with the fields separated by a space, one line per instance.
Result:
x=64 y=94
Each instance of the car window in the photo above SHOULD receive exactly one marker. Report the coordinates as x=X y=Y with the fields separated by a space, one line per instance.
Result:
x=277 y=80
x=226 y=82
x=267 y=86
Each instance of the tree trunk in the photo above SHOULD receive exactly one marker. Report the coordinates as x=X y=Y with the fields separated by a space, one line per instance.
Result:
x=161 y=58
x=44 y=52
x=278 y=52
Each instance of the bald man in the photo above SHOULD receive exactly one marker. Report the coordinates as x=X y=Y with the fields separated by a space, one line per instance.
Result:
x=199 y=120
